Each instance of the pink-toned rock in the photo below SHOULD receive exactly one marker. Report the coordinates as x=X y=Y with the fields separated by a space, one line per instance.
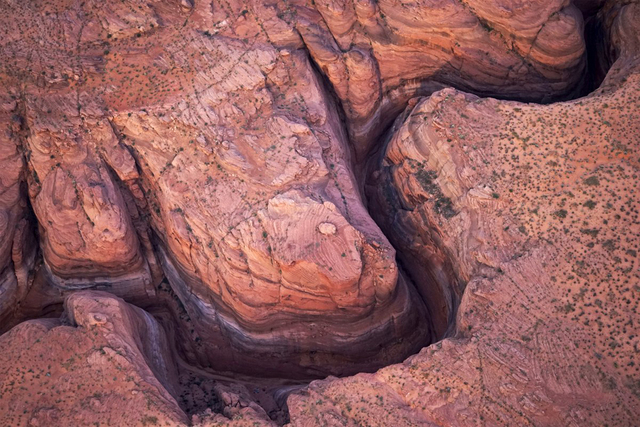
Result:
x=220 y=162
x=378 y=55
x=88 y=237
x=17 y=244
x=534 y=208
x=105 y=360
x=209 y=161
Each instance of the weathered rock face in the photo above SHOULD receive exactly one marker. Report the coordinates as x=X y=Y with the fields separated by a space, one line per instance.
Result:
x=537 y=210
x=88 y=237
x=232 y=163
x=102 y=360
x=205 y=160
x=17 y=244
x=261 y=228
x=205 y=132
x=379 y=54
x=105 y=359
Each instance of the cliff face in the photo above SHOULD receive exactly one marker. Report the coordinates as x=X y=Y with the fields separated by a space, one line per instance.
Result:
x=211 y=154
x=219 y=165
x=105 y=360
x=17 y=244
x=534 y=208
x=200 y=143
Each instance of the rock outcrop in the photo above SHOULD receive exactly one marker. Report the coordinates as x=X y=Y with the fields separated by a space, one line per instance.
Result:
x=379 y=54
x=87 y=232
x=199 y=143
x=18 y=247
x=536 y=210
x=103 y=360
x=222 y=166
x=260 y=228
x=218 y=164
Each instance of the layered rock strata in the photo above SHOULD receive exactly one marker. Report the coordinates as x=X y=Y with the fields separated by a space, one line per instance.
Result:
x=379 y=54
x=18 y=246
x=104 y=360
x=536 y=209
x=203 y=144
x=200 y=144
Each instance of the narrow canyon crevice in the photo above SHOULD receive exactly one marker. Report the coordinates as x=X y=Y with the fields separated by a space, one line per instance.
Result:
x=442 y=290
x=206 y=273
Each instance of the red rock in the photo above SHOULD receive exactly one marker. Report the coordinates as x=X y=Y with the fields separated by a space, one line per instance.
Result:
x=209 y=161
x=106 y=360
x=525 y=204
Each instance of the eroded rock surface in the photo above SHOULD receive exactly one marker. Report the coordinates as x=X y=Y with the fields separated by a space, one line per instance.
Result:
x=379 y=54
x=104 y=360
x=88 y=237
x=205 y=161
x=537 y=210
x=199 y=144
x=18 y=247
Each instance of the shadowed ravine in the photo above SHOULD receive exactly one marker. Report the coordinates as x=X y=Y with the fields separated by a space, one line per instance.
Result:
x=207 y=206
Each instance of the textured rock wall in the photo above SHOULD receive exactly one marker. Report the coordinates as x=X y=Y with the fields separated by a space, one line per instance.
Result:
x=88 y=237
x=378 y=55
x=213 y=149
x=18 y=247
x=201 y=142
x=105 y=360
x=201 y=138
x=537 y=208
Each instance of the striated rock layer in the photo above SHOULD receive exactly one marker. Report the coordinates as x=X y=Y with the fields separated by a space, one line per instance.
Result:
x=536 y=209
x=104 y=355
x=103 y=360
x=205 y=161
x=18 y=247
x=379 y=54
x=198 y=143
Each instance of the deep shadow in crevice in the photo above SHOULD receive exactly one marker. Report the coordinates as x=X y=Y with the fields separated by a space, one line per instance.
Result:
x=29 y=305
x=600 y=54
x=436 y=279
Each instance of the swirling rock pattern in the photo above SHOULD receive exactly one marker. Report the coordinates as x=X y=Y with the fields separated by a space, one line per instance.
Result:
x=87 y=234
x=378 y=54
x=206 y=161
x=529 y=202
x=227 y=171
x=207 y=133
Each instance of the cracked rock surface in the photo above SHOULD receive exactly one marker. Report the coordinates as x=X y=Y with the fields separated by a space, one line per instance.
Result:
x=206 y=204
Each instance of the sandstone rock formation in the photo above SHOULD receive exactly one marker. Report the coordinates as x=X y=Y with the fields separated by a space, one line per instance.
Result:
x=88 y=237
x=227 y=171
x=536 y=210
x=378 y=54
x=104 y=355
x=18 y=247
x=103 y=360
x=218 y=164
x=200 y=143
